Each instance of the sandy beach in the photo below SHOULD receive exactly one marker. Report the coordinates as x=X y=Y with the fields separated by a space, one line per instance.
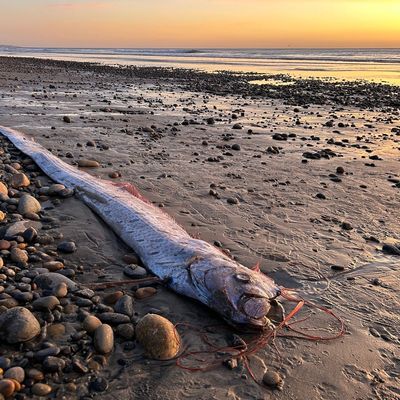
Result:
x=303 y=178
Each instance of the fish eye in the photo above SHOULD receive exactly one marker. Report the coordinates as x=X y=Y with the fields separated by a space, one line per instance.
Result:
x=242 y=277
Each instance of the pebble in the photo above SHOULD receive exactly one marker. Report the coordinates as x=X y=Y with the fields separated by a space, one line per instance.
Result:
x=103 y=339
x=50 y=280
x=124 y=305
x=232 y=200
x=88 y=163
x=113 y=318
x=53 y=266
x=130 y=259
x=48 y=303
x=91 y=323
x=16 y=373
x=145 y=292
x=19 y=180
x=337 y=267
x=18 y=325
x=56 y=331
x=7 y=387
x=273 y=380
x=236 y=147
x=67 y=247
x=340 y=170
x=135 y=271
x=28 y=204
x=126 y=331
x=3 y=189
x=389 y=248
x=35 y=374
x=4 y=244
x=41 y=389
x=66 y=119
x=98 y=385
x=346 y=226
x=53 y=364
x=30 y=234
x=55 y=189
x=158 y=337
x=112 y=298
x=19 y=256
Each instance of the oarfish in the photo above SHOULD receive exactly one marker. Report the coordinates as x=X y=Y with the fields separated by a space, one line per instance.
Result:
x=191 y=267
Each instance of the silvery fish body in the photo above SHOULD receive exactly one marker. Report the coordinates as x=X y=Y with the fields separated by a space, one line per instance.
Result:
x=191 y=267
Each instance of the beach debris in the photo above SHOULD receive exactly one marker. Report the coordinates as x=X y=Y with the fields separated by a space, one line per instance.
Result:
x=158 y=336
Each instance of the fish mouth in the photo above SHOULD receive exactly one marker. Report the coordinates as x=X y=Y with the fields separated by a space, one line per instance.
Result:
x=255 y=308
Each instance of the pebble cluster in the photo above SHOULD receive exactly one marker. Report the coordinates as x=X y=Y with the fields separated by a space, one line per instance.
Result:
x=56 y=333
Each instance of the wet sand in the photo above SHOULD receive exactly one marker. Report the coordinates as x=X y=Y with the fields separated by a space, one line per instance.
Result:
x=248 y=190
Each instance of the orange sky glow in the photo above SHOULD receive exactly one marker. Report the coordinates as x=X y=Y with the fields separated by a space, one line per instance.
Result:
x=200 y=23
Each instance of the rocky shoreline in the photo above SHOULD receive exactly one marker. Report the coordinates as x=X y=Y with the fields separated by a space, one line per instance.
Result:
x=299 y=92
x=59 y=333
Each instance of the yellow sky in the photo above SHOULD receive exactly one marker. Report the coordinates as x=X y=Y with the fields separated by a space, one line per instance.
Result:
x=201 y=23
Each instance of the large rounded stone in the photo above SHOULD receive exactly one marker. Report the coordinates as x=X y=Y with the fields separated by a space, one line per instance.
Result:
x=19 y=256
x=158 y=337
x=28 y=204
x=104 y=339
x=19 y=180
x=47 y=303
x=16 y=373
x=91 y=323
x=18 y=325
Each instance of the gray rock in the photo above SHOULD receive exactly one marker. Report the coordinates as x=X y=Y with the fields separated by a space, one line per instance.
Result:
x=113 y=318
x=53 y=364
x=19 y=227
x=28 y=204
x=18 y=325
x=50 y=280
x=48 y=303
x=135 y=271
x=85 y=292
x=126 y=331
x=67 y=247
x=49 y=351
x=124 y=306
x=16 y=373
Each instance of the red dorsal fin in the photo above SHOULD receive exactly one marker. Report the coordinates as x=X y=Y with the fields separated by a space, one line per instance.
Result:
x=130 y=189
x=256 y=268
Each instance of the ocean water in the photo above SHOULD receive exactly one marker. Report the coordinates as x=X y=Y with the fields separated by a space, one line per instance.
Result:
x=377 y=65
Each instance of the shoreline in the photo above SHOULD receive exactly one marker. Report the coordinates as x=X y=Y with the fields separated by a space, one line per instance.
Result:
x=301 y=92
x=310 y=190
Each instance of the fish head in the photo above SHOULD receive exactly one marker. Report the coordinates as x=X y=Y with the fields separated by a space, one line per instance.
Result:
x=241 y=295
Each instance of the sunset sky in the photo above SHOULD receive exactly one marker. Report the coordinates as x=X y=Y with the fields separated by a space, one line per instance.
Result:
x=200 y=23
